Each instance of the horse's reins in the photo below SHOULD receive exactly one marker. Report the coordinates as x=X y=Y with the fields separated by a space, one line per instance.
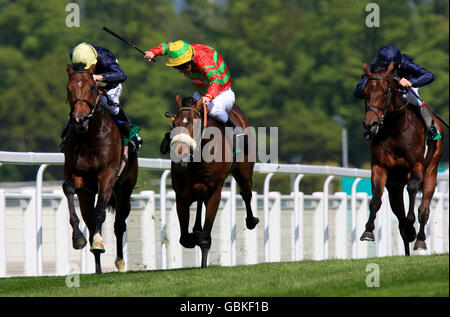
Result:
x=89 y=103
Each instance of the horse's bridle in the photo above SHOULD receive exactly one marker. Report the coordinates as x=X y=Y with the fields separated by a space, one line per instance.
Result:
x=386 y=105
x=388 y=101
x=92 y=104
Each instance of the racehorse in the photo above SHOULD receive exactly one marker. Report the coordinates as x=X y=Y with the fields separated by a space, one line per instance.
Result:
x=93 y=153
x=202 y=180
x=400 y=155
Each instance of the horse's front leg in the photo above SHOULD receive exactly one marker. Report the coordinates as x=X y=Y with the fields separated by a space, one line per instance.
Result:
x=204 y=239
x=379 y=177
x=78 y=239
x=106 y=181
x=186 y=240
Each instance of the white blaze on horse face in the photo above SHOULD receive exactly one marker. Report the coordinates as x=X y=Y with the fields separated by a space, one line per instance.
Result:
x=185 y=120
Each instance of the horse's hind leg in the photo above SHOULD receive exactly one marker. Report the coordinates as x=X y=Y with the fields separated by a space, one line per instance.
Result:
x=407 y=231
x=78 y=239
x=123 y=208
x=243 y=176
x=429 y=185
x=379 y=176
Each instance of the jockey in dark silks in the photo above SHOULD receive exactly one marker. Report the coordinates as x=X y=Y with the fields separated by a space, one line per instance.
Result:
x=110 y=77
x=411 y=74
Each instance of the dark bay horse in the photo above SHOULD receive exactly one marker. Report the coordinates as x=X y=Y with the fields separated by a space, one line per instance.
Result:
x=400 y=156
x=93 y=153
x=202 y=180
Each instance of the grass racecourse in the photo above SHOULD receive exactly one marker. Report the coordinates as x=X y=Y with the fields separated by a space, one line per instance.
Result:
x=398 y=276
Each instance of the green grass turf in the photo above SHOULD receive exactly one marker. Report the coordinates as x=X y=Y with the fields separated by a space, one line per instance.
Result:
x=398 y=276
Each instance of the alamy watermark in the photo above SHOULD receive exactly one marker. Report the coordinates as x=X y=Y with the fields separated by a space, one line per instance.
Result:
x=206 y=144
x=73 y=278
x=373 y=278
x=373 y=18
x=73 y=18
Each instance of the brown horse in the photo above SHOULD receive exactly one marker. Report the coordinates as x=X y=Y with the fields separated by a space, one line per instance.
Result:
x=93 y=153
x=202 y=180
x=400 y=155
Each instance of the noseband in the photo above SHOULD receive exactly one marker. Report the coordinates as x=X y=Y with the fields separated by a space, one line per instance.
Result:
x=91 y=104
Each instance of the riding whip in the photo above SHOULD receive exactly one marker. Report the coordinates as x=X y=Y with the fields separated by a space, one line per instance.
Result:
x=123 y=39
x=428 y=107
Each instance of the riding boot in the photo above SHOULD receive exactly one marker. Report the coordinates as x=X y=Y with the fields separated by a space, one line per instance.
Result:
x=432 y=131
x=128 y=129
x=164 y=148
x=239 y=133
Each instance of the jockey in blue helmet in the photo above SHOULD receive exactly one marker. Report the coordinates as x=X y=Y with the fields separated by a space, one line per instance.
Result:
x=411 y=74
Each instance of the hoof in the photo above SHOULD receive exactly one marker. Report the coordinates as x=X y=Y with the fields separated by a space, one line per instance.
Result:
x=367 y=236
x=189 y=241
x=79 y=243
x=97 y=247
x=420 y=245
x=120 y=264
x=251 y=223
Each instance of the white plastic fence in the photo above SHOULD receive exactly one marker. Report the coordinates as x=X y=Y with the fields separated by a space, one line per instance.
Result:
x=35 y=235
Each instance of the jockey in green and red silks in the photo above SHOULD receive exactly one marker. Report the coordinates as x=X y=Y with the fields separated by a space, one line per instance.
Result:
x=411 y=75
x=207 y=70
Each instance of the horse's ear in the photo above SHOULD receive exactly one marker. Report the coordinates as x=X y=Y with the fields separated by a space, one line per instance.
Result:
x=390 y=68
x=178 y=100
x=366 y=69
x=69 y=69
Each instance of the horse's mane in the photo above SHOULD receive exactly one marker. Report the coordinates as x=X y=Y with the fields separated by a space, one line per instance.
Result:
x=78 y=66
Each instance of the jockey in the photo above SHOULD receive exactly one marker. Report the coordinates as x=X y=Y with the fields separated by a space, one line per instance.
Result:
x=207 y=70
x=412 y=75
x=109 y=76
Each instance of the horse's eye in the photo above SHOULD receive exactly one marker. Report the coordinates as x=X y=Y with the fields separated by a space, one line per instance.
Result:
x=385 y=92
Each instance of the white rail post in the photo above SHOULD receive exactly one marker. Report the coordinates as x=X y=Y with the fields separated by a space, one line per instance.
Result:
x=30 y=234
x=325 y=215
x=233 y=220
x=436 y=224
x=62 y=241
x=353 y=208
x=266 y=216
x=382 y=224
x=340 y=241
x=2 y=233
x=148 y=232
x=362 y=215
x=39 y=178
x=174 y=249
x=298 y=219
x=275 y=227
x=162 y=192
x=224 y=233
x=318 y=232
